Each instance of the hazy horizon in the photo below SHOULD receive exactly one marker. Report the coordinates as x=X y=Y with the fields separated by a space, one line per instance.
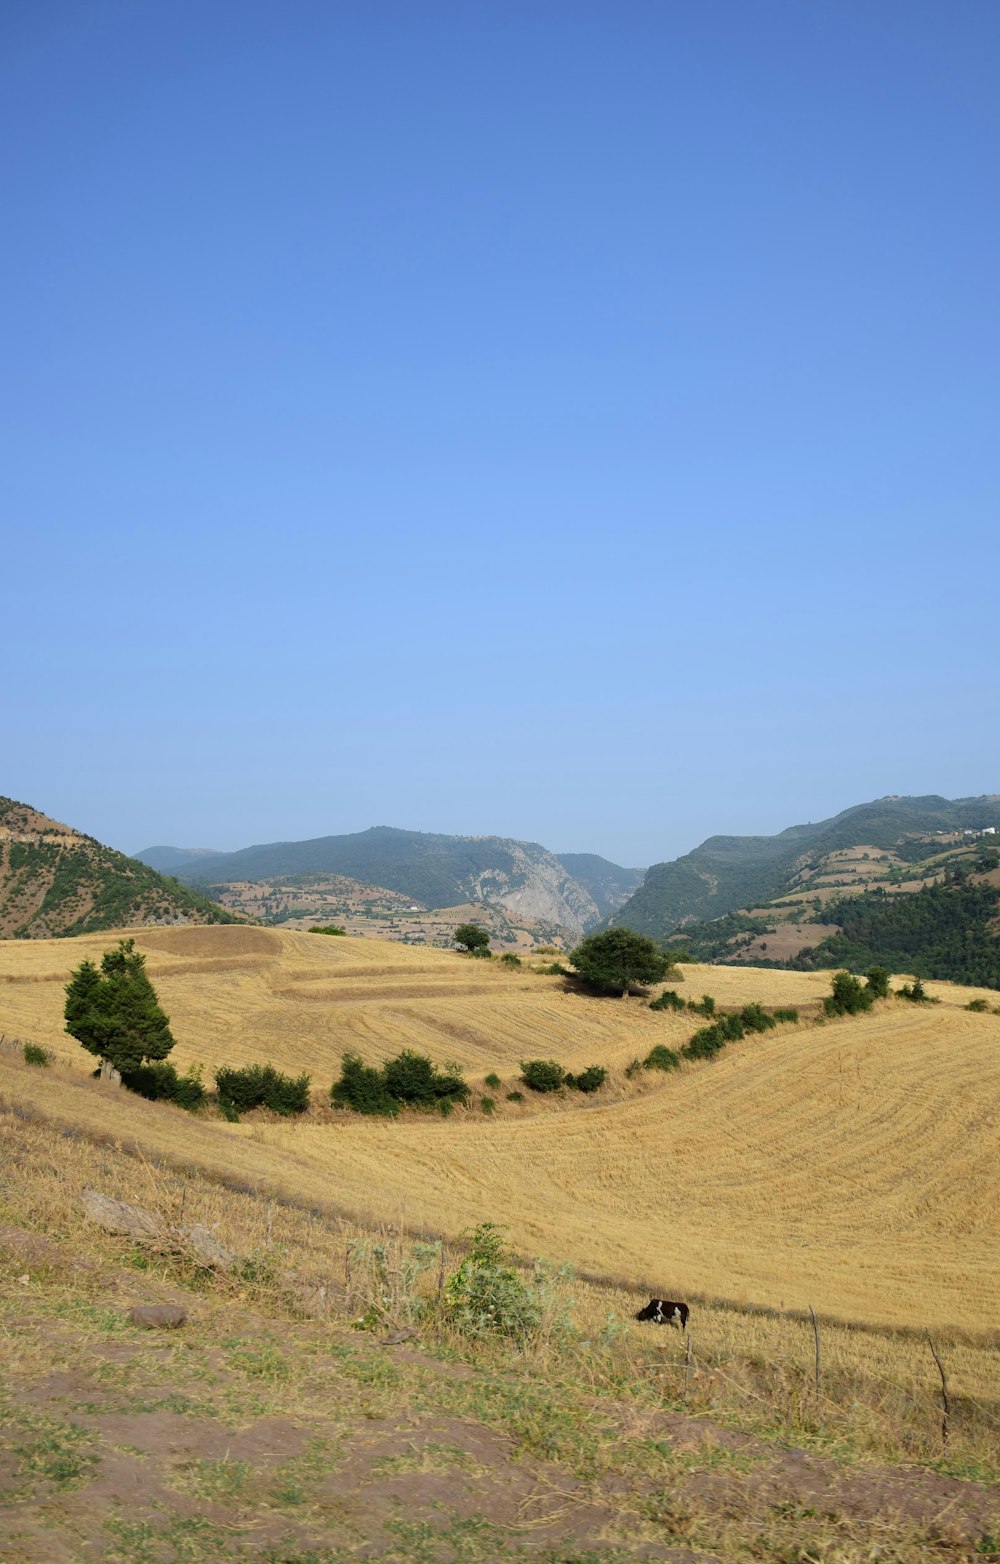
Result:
x=572 y=423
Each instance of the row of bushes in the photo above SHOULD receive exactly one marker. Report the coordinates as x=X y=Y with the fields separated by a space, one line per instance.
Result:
x=238 y=1091
x=710 y=1040
x=408 y=1081
x=545 y=1075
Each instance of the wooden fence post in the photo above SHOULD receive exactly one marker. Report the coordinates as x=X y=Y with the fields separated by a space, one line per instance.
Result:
x=945 y=1405
x=812 y=1316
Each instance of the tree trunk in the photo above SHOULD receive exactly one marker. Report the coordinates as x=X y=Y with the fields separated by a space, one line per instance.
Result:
x=109 y=1073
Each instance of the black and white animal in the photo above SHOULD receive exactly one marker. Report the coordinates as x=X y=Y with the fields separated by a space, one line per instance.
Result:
x=664 y=1311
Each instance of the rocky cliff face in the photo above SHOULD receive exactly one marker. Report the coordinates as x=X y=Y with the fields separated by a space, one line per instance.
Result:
x=536 y=886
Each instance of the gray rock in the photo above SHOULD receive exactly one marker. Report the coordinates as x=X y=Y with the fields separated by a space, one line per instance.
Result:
x=117 y=1216
x=206 y=1246
x=158 y=1316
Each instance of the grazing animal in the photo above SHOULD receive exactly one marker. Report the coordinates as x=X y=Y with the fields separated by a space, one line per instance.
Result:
x=663 y=1311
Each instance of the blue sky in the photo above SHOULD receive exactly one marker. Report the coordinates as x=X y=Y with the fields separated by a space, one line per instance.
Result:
x=571 y=421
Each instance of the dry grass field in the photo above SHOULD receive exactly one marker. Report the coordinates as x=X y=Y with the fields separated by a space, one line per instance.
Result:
x=849 y=1165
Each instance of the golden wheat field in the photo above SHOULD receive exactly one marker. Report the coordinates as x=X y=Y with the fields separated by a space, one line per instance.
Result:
x=849 y=1165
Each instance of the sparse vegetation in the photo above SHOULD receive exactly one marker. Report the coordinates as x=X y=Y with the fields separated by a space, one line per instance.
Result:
x=492 y=1080
x=33 y=1054
x=509 y=959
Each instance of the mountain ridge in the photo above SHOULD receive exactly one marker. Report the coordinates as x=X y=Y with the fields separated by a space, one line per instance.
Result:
x=436 y=870
x=729 y=874
x=56 y=881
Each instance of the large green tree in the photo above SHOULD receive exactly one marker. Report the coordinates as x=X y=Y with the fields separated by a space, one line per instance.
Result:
x=619 y=960
x=470 y=937
x=114 y=1012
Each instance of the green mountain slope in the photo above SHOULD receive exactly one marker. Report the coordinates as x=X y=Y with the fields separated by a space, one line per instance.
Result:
x=608 y=883
x=944 y=931
x=167 y=860
x=727 y=873
x=432 y=869
x=54 y=881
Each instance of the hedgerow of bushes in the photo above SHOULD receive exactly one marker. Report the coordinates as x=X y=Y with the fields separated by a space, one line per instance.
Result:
x=262 y=1086
x=408 y=1081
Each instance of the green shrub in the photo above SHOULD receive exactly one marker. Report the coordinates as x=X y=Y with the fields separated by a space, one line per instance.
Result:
x=754 y=1018
x=262 y=1086
x=706 y=1008
x=158 y=1081
x=327 y=928
x=848 y=998
x=661 y=1058
x=33 y=1054
x=488 y=1104
x=878 y=982
x=413 y=1081
x=363 y=1089
x=706 y=1043
x=493 y=1080
x=787 y=1013
x=228 y=1112
x=485 y=1296
x=589 y=1080
x=508 y=959
x=916 y=993
x=515 y=1096
x=980 y=1006
x=542 y=1075
x=731 y=1028
x=555 y=970
x=668 y=1000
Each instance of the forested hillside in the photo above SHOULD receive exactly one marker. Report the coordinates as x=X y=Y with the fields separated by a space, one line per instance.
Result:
x=729 y=873
x=55 y=881
x=946 y=931
x=429 y=868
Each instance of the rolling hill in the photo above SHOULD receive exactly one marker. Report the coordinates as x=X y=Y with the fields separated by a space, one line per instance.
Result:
x=729 y=873
x=56 y=881
x=850 y=1165
x=433 y=870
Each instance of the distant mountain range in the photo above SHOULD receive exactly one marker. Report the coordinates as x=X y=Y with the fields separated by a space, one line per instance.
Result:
x=574 y=891
x=55 y=881
x=168 y=860
x=729 y=873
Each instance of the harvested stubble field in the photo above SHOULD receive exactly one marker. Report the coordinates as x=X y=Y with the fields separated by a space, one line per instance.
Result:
x=267 y=1430
x=849 y=1165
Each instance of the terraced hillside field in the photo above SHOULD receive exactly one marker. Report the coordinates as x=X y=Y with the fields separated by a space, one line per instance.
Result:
x=850 y=1165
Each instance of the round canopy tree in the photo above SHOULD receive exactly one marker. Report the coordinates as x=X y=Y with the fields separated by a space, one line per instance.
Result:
x=470 y=937
x=114 y=1011
x=619 y=960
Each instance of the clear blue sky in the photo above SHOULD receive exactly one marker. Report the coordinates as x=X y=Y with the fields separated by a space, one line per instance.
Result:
x=572 y=421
